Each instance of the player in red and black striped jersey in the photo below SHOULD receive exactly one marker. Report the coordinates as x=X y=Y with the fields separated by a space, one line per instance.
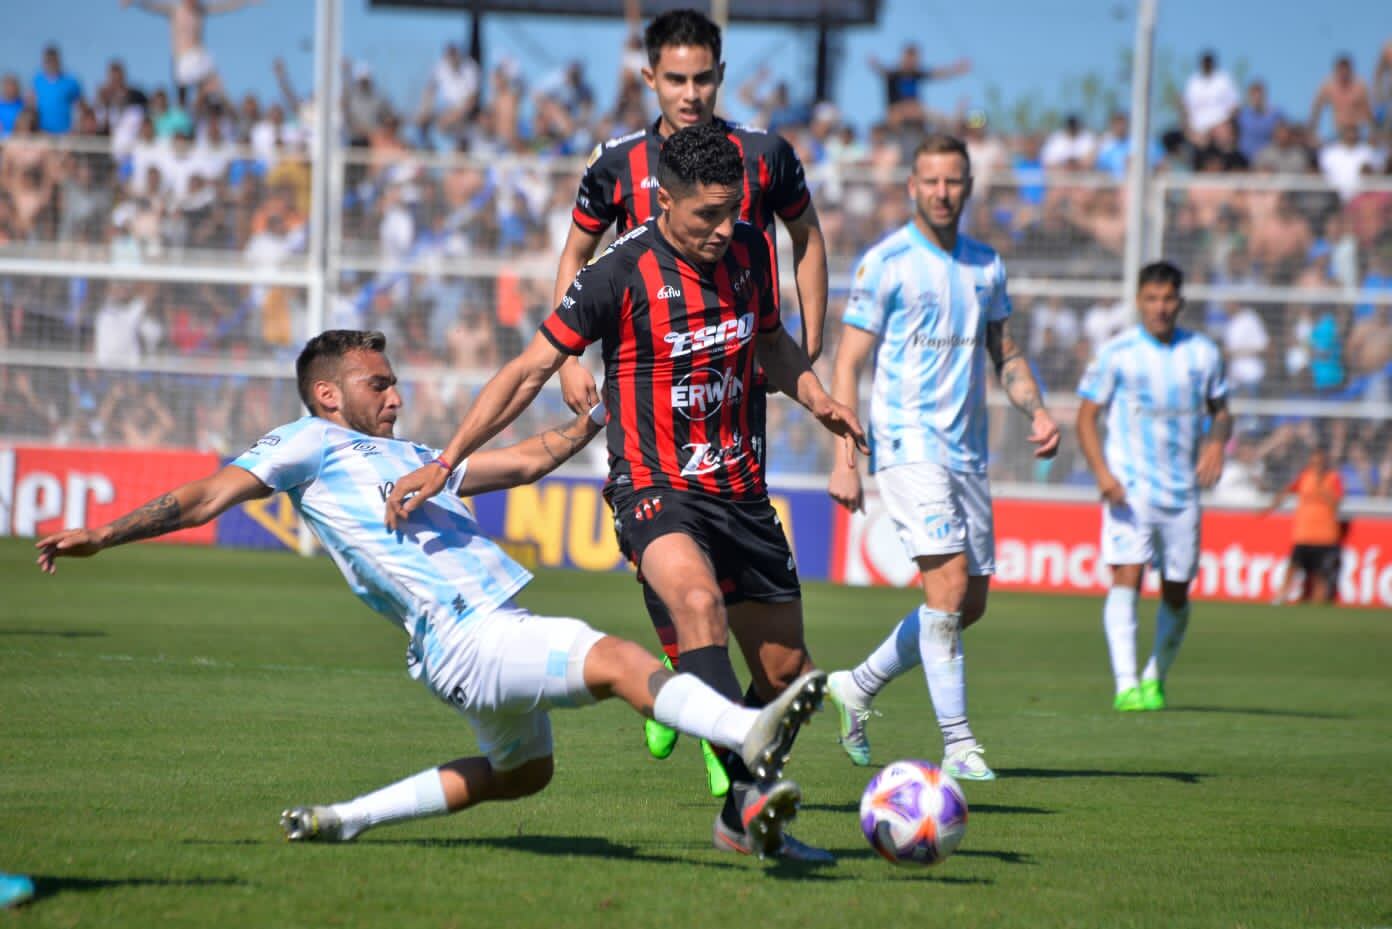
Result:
x=683 y=305
x=619 y=188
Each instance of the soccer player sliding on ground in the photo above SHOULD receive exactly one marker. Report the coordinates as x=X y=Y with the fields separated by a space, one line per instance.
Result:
x=450 y=589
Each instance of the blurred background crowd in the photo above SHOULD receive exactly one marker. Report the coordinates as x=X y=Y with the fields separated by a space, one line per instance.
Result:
x=453 y=207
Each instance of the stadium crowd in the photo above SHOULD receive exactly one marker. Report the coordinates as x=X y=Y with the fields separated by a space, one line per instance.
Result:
x=454 y=206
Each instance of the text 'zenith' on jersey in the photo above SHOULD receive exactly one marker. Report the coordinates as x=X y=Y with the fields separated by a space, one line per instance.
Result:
x=441 y=566
x=620 y=181
x=678 y=346
x=929 y=310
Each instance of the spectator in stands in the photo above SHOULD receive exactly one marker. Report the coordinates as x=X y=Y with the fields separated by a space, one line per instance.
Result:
x=1326 y=344
x=11 y=103
x=1071 y=147
x=1381 y=92
x=1280 y=243
x=55 y=94
x=1256 y=122
x=193 y=65
x=1245 y=341
x=1284 y=154
x=121 y=330
x=1114 y=148
x=364 y=108
x=1344 y=161
x=569 y=89
x=1210 y=100
x=1346 y=94
x=451 y=95
x=1221 y=151
x=902 y=83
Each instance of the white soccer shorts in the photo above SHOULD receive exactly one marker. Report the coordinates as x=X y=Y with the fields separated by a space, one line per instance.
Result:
x=1167 y=539
x=504 y=671
x=939 y=511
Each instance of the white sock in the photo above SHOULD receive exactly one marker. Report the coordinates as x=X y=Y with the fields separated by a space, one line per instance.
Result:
x=417 y=796
x=1170 y=626
x=688 y=705
x=1119 y=622
x=893 y=656
x=940 y=648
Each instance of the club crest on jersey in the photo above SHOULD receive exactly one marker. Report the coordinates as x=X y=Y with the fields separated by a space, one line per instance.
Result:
x=702 y=392
x=647 y=508
x=706 y=458
x=668 y=292
x=740 y=283
x=738 y=331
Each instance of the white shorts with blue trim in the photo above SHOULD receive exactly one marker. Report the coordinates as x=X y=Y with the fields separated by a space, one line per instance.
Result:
x=1167 y=539
x=504 y=671
x=939 y=511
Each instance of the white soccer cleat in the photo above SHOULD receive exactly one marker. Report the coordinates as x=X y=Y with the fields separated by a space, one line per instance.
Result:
x=966 y=764
x=312 y=824
x=852 y=716
x=770 y=740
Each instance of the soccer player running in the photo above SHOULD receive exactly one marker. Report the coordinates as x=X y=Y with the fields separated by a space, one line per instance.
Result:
x=1157 y=385
x=930 y=305
x=450 y=589
x=619 y=188
x=680 y=304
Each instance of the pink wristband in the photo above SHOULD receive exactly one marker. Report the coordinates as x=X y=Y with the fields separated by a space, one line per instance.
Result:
x=440 y=460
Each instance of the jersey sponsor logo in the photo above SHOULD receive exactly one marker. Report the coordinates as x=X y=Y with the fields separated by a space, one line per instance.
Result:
x=708 y=394
x=738 y=331
x=923 y=340
x=619 y=140
x=367 y=449
x=267 y=440
x=668 y=292
x=648 y=183
x=706 y=458
x=567 y=301
x=594 y=155
x=582 y=201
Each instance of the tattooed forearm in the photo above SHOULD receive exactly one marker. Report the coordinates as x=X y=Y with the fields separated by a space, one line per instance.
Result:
x=1221 y=430
x=154 y=518
x=1020 y=386
x=570 y=437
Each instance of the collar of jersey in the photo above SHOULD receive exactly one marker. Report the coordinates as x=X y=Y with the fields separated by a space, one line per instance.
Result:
x=1174 y=340
x=917 y=235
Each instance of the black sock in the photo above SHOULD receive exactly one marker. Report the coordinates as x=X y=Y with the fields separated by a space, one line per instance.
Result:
x=753 y=700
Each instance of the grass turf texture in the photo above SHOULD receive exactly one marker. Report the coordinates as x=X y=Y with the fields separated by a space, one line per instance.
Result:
x=160 y=705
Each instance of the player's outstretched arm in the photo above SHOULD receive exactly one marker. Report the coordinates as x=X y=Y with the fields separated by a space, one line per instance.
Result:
x=810 y=272
x=500 y=401
x=1211 y=455
x=788 y=369
x=1020 y=386
x=531 y=459
x=578 y=387
x=1090 y=443
x=193 y=504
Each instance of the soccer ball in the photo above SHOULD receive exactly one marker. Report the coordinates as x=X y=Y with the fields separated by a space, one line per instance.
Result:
x=913 y=813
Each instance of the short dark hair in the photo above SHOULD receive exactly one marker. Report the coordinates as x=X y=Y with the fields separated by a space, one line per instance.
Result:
x=320 y=357
x=1160 y=272
x=940 y=143
x=699 y=155
x=681 y=27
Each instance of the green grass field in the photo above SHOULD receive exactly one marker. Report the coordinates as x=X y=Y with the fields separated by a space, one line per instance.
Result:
x=159 y=706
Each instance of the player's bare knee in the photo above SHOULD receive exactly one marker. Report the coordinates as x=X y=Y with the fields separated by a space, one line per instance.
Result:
x=700 y=617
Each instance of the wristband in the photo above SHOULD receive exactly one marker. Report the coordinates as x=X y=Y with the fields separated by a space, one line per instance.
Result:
x=440 y=460
x=598 y=414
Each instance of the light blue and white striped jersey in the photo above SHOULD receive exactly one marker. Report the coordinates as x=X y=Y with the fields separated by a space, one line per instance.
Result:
x=1156 y=397
x=930 y=310
x=442 y=567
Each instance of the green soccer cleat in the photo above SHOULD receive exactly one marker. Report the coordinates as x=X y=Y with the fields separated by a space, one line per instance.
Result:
x=1129 y=701
x=661 y=740
x=1152 y=695
x=715 y=771
x=15 y=889
x=852 y=716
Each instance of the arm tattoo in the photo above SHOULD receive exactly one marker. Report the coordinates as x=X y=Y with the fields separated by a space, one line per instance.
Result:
x=154 y=518
x=567 y=434
x=1019 y=385
x=1221 y=430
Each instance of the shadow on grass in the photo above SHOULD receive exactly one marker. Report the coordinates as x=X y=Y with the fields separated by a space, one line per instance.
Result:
x=1183 y=777
x=973 y=807
x=576 y=845
x=55 y=633
x=1256 y=711
x=46 y=886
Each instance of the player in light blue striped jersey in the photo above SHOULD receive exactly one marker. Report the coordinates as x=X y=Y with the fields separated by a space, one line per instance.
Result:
x=450 y=589
x=930 y=306
x=1158 y=385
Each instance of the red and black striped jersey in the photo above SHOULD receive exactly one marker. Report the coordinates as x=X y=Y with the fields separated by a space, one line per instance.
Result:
x=677 y=340
x=620 y=182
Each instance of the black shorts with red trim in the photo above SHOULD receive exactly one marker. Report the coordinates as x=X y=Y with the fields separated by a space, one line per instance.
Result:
x=743 y=538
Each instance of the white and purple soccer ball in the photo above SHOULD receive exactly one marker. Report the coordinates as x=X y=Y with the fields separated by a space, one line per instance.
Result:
x=913 y=813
